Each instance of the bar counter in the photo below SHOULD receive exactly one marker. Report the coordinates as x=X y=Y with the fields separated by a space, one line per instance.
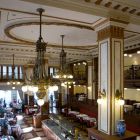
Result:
x=56 y=130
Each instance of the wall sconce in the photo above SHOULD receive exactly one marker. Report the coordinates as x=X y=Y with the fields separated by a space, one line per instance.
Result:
x=119 y=97
x=101 y=97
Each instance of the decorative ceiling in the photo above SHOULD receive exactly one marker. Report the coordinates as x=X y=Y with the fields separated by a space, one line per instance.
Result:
x=76 y=19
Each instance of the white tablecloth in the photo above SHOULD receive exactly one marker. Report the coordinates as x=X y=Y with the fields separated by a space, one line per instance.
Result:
x=89 y=119
x=137 y=105
x=81 y=115
x=73 y=112
x=128 y=108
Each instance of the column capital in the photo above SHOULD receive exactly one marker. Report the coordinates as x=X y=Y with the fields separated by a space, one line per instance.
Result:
x=28 y=66
x=111 y=22
x=46 y=61
x=89 y=62
x=111 y=32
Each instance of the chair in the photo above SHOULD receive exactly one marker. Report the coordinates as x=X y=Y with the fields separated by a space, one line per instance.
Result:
x=14 y=131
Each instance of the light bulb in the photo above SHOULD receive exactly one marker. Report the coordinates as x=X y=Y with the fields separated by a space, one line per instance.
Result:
x=35 y=88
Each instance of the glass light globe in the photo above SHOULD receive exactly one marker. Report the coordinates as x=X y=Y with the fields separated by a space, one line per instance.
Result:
x=40 y=102
x=18 y=83
x=55 y=88
x=8 y=83
x=24 y=88
x=99 y=100
x=30 y=88
x=71 y=76
x=62 y=84
x=121 y=102
x=64 y=76
x=51 y=88
x=57 y=76
x=35 y=88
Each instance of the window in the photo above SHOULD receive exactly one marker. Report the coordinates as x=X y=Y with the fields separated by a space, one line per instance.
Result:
x=56 y=70
x=0 y=72
x=20 y=72
x=16 y=72
x=53 y=70
x=4 y=72
x=10 y=72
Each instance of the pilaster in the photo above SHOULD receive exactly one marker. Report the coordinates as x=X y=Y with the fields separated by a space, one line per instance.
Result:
x=111 y=44
x=90 y=77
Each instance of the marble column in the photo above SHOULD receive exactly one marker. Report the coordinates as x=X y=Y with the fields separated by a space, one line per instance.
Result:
x=111 y=44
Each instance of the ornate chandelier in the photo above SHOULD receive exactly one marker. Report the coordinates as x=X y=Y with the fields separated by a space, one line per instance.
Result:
x=13 y=82
x=64 y=74
x=39 y=82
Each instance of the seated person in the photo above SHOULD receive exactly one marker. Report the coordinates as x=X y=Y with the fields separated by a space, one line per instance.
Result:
x=2 y=111
x=11 y=105
x=5 y=135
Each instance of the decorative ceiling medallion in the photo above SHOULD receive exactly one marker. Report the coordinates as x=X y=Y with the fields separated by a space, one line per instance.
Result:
x=16 y=37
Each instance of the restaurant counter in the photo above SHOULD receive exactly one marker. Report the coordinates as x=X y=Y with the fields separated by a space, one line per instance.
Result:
x=55 y=131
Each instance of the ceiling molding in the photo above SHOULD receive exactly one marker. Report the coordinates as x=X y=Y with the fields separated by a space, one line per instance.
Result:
x=16 y=38
x=96 y=7
x=47 y=16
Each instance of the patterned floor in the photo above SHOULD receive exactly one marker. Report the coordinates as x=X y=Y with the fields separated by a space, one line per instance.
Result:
x=28 y=132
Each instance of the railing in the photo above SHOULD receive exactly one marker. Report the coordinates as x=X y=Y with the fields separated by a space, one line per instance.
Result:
x=132 y=72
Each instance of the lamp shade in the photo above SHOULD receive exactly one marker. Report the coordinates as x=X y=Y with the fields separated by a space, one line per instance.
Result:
x=40 y=102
